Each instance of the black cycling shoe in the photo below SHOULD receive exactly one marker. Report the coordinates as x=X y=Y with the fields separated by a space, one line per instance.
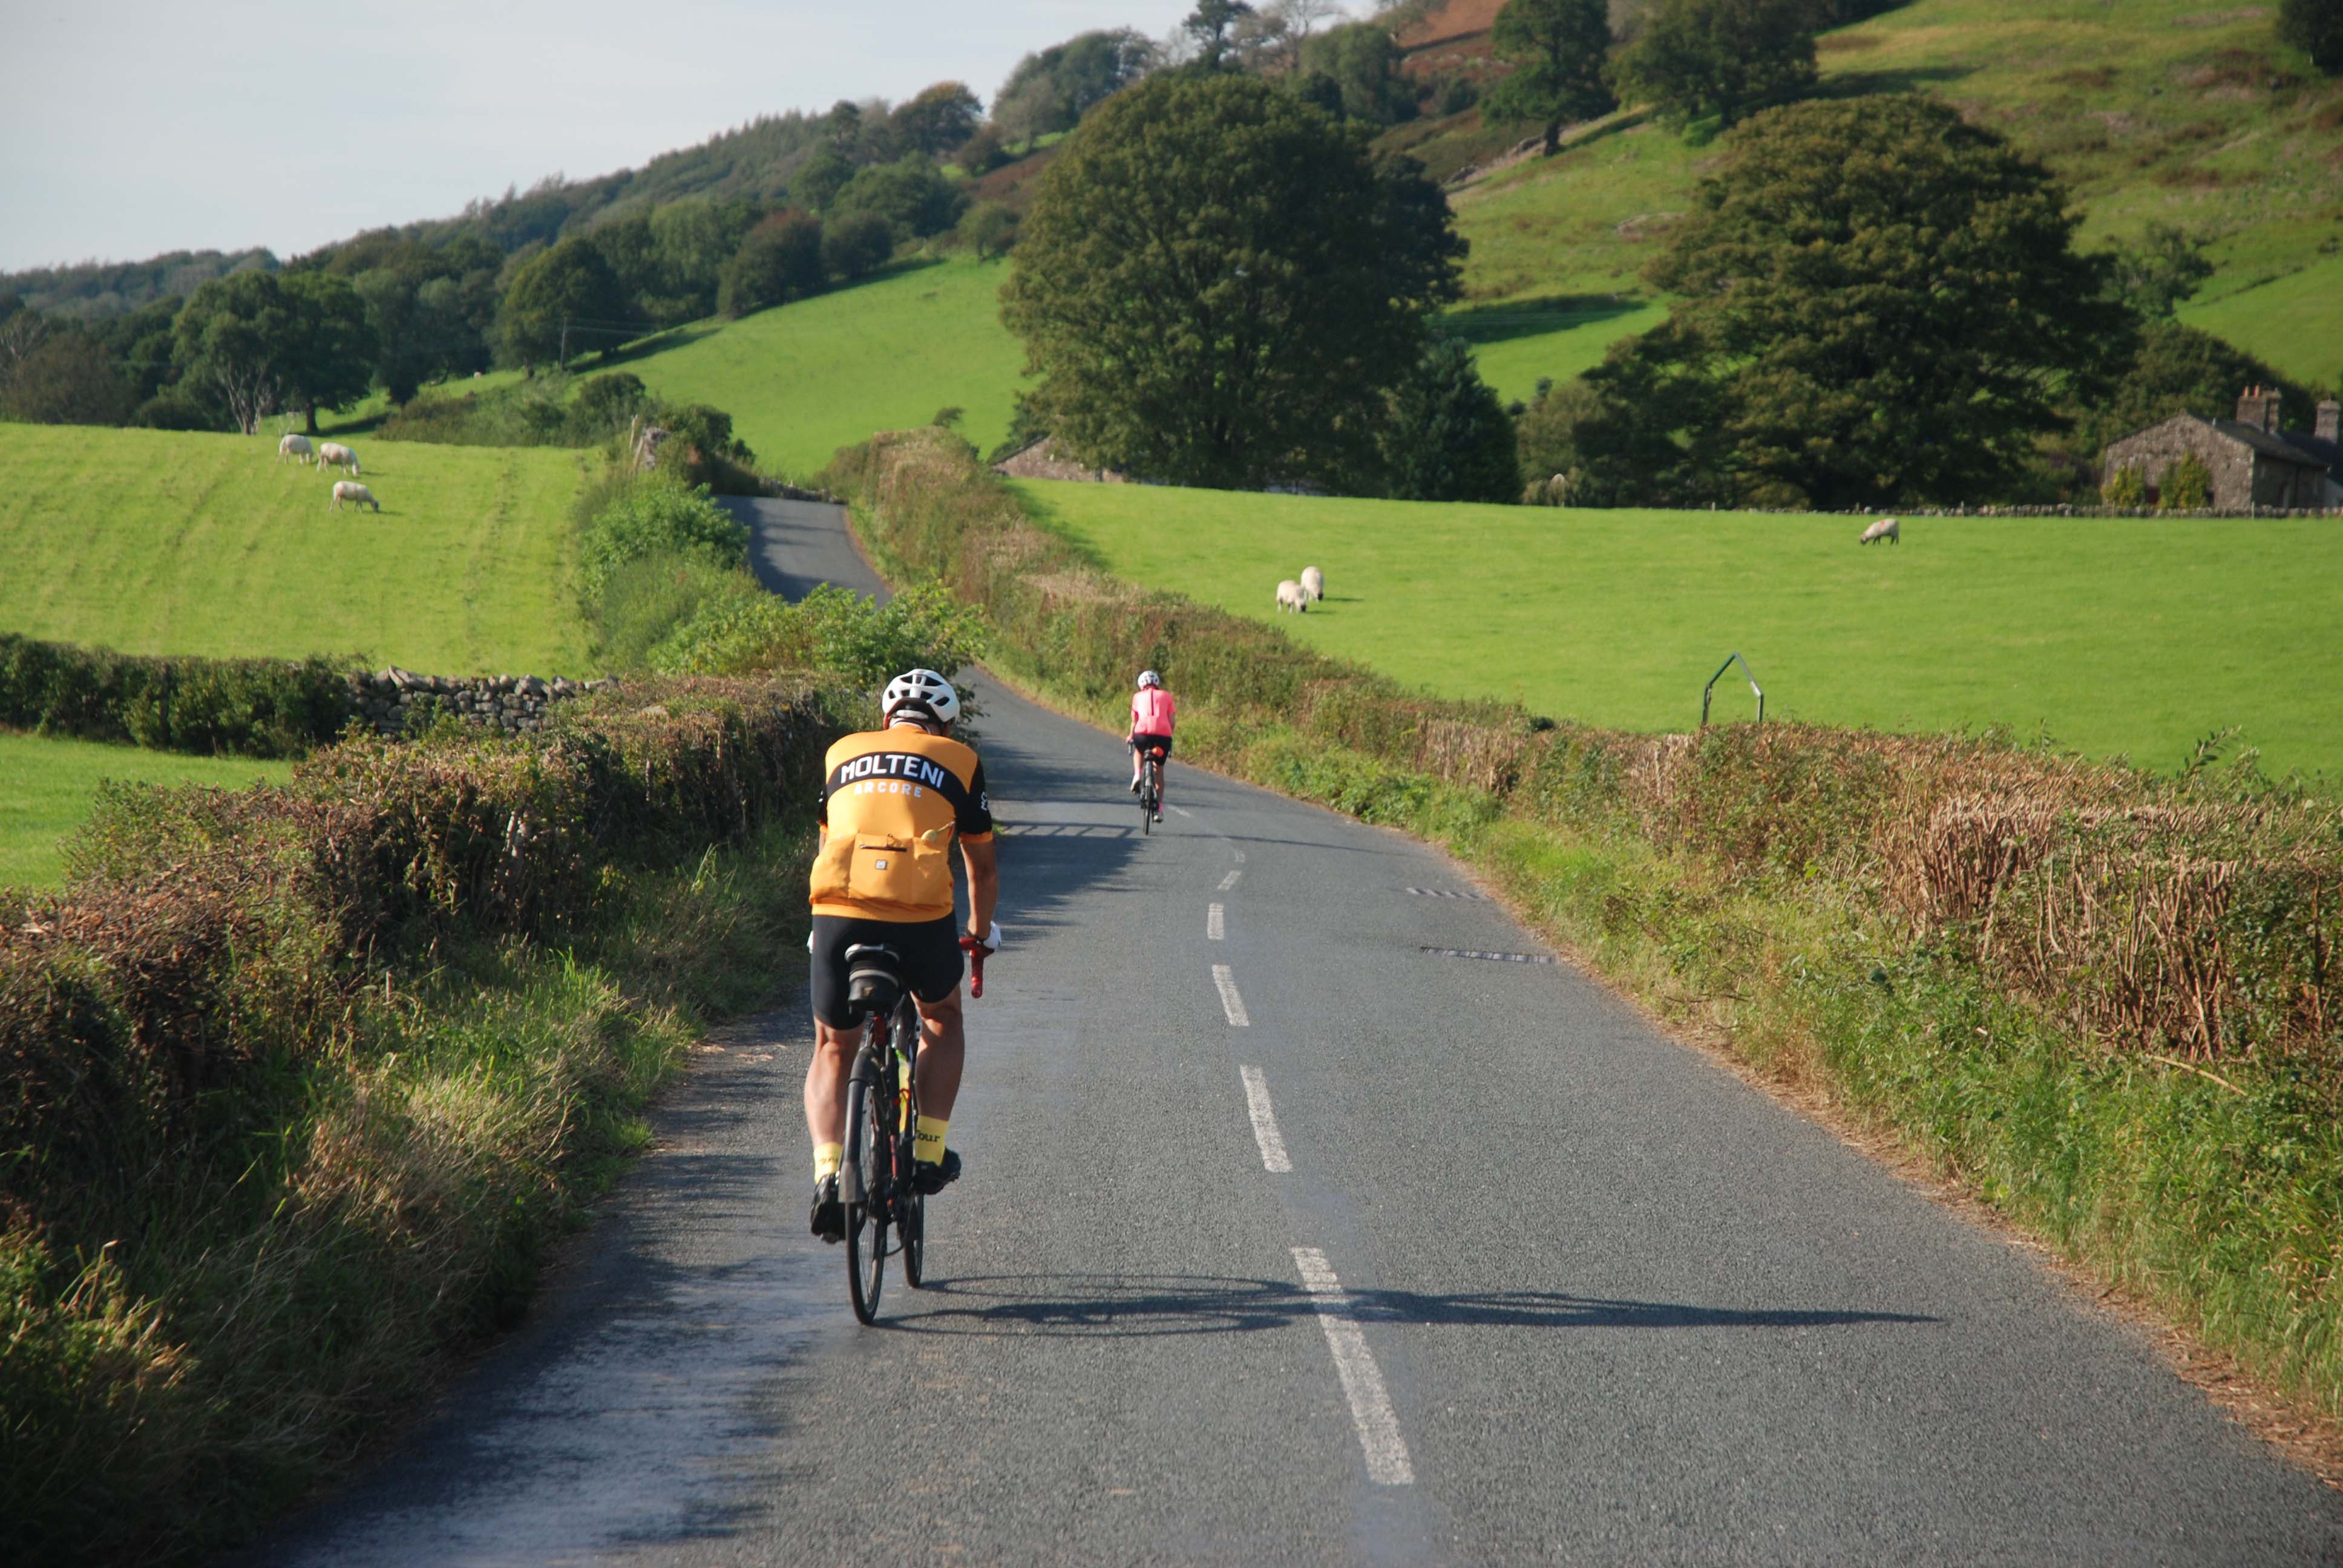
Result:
x=930 y=1179
x=829 y=1213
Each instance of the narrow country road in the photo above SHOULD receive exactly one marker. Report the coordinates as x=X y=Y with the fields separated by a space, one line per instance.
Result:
x=1298 y=1228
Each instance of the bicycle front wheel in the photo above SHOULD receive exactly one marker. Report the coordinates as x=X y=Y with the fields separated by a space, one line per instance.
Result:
x=870 y=1145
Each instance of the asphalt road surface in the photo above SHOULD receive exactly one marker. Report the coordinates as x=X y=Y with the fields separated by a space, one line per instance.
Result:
x=1293 y=1232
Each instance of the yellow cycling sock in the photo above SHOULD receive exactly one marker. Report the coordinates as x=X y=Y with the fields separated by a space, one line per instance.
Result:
x=928 y=1146
x=827 y=1159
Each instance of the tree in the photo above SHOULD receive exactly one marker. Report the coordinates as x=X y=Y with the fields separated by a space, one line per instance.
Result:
x=1364 y=62
x=1879 y=304
x=988 y=229
x=66 y=380
x=856 y=245
x=2156 y=273
x=1217 y=284
x=694 y=238
x=2177 y=369
x=1051 y=89
x=1446 y=436
x=981 y=153
x=1722 y=58
x=821 y=177
x=1559 y=50
x=330 y=362
x=560 y=303
x=2315 y=27
x=1208 y=28
x=940 y=118
x=781 y=260
x=235 y=340
x=911 y=194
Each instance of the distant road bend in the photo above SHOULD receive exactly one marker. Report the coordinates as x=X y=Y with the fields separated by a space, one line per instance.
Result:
x=1297 y=1229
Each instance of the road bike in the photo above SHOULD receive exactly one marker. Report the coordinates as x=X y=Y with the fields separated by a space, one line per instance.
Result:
x=1151 y=788
x=882 y=1118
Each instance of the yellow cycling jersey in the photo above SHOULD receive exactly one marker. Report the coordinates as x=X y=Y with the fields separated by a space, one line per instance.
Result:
x=892 y=800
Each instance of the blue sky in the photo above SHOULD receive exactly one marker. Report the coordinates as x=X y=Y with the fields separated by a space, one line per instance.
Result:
x=133 y=127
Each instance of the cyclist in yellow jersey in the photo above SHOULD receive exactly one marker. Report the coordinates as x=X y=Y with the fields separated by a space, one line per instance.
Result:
x=892 y=801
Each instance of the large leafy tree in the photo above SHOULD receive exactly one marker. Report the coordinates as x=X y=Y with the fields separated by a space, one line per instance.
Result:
x=1560 y=51
x=66 y=380
x=562 y=302
x=1698 y=59
x=1210 y=28
x=1881 y=304
x=1052 y=88
x=940 y=118
x=235 y=342
x=1217 y=286
x=911 y=194
x=781 y=260
x=330 y=362
x=1362 y=61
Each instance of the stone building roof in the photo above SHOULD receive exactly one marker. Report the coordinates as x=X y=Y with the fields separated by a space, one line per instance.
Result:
x=2284 y=448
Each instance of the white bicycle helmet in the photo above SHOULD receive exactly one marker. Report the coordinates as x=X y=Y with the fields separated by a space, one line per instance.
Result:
x=924 y=692
x=1147 y=677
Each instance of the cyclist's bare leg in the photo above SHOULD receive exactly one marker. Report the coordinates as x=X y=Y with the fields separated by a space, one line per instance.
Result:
x=943 y=1045
x=825 y=1084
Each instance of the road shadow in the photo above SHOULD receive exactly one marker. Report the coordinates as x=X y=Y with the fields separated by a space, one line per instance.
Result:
x=1141 y=1306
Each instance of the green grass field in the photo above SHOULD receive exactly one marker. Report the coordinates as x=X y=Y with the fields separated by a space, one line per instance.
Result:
x=46 y=788
x=802 y=380
x=154 y=541
x=2111 y=636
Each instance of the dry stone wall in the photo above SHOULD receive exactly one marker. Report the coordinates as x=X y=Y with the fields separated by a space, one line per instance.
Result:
x=393 y=701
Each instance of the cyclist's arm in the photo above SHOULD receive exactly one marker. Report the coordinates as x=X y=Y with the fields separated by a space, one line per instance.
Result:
x=983 y=885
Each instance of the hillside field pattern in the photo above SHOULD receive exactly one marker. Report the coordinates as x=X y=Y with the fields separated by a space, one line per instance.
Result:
x=2106 y=636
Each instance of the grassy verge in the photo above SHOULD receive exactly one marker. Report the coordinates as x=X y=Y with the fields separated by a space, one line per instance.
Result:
x=301 y=1080
x=2103 y=1002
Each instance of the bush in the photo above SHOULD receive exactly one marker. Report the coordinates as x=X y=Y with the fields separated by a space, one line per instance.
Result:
x=606 y=405
x=856 y=245
x=830 y=629
x=531 y=413
x=988 y=229
x=2188 y=486
x=644 y=600
x=655 y=515
x=911 y=194
x=2315 y=27
x=2124 y=488
x=251 y=708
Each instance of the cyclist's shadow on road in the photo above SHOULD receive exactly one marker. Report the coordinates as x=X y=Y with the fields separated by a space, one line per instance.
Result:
x=1125 y=1306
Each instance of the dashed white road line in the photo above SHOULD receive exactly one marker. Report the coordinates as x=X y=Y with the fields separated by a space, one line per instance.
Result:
x=1230 y=1003
x=1264 y=1121
x=1215 y=926
x=1363 y=1381
x=1182 y=811
x=1229 y=880
x=1240 y=856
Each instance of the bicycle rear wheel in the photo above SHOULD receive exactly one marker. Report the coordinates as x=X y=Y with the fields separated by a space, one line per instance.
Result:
x=910 y=1208
x=870 y=1146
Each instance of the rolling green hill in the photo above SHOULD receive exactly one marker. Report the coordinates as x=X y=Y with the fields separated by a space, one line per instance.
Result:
x=2111 y=636
x=2169 y=111
x=154 y=541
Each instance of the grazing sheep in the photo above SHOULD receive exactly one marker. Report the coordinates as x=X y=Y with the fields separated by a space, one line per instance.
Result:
x=1290 y=597
x=334 y=455
x=295 y=446
x=357 y=495
x=1888 y=529
x=1313 y=583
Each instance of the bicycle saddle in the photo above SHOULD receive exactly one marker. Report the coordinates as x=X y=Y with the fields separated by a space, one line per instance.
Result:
x=874 y=978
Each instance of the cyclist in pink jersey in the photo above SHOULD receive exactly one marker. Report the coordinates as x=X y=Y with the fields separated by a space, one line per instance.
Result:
x=1151 y=725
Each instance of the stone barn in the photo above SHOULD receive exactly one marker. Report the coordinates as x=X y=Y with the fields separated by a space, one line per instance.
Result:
x=2252 y=461
x=1041 y=460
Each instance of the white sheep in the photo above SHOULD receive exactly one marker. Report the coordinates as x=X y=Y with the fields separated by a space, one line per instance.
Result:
x=1888 y=529
x=1313 y=583
x=334 y=455
x=295 y=447
x=356 y=494
x=1290 y=597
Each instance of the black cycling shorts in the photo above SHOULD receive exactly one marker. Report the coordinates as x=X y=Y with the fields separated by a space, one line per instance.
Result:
x=1139 y=743
x=930 y=950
